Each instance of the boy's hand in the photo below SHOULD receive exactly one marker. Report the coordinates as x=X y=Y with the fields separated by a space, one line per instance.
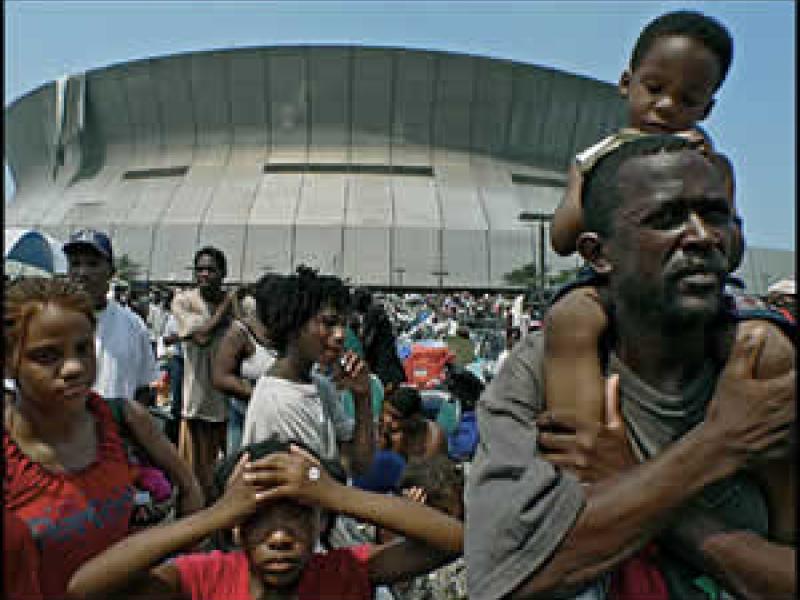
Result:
x=295 y=475
x=698 y=140
x=592 y=451
x=352 y=373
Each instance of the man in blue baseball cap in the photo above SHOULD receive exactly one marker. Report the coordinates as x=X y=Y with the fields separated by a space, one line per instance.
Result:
x=126 y=362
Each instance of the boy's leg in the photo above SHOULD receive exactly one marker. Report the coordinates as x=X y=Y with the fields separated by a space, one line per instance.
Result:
x=572 y=370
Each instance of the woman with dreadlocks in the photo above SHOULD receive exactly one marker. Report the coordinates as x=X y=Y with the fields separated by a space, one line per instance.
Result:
x=305 y=315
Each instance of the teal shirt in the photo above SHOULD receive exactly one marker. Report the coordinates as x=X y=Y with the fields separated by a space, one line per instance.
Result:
x=376 y=393
x=351 y=342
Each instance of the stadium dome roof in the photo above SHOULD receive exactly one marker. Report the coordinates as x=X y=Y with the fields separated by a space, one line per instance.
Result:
x=387 y=166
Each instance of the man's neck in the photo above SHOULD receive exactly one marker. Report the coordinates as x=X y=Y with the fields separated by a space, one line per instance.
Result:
x=212 y=295
x=667 y=356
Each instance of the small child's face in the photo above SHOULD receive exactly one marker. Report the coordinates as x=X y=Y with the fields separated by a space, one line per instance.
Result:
x=280 y=542
x=673 y=86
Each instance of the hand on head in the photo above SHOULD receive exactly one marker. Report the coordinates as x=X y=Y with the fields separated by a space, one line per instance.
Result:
x=295 y=475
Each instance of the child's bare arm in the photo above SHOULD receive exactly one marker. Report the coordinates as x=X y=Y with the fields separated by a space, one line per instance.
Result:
x=568 y=217
x=573 y=375
x=130 y=569
x=726 y=168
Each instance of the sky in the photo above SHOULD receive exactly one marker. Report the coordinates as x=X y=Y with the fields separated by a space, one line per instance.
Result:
x=753 y=121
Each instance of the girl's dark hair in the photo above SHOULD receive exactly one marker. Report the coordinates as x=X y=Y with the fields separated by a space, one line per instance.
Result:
x=264 y=448
x=440 y=477
x=284 y=303
x=692 y=24
x=406 y=400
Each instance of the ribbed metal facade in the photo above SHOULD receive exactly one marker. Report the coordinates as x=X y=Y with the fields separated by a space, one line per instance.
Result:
x=389 y=167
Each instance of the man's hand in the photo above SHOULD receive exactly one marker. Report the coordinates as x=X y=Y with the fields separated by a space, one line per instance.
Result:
x=592 y=451
x=753 y=418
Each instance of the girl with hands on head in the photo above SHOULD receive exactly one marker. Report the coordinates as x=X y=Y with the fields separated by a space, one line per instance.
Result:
x=274 y=493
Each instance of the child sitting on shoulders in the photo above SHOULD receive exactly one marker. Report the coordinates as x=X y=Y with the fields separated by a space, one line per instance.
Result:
x=678 y=63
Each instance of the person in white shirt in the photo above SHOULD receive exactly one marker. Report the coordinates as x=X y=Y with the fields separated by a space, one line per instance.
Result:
x=126 y=363
x=304 y=315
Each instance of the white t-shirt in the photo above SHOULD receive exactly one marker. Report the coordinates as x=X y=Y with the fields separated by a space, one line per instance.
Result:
x=125 y=358
x=308 y=412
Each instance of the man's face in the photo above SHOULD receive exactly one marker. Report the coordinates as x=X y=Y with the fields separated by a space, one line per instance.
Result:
x=92 y=271
x=280 y=542
x=672 y=235
x=207 y=273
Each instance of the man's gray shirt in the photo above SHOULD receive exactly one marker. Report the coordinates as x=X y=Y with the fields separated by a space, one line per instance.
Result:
x=519 y=507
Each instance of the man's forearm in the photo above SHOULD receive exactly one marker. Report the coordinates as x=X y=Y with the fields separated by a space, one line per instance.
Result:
x=745 y=563
x=623 y=513
x=202 y=334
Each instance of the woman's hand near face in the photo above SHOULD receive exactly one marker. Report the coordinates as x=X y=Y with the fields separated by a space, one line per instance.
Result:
x=352 y=374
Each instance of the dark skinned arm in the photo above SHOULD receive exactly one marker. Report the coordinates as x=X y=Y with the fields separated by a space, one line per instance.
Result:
x=232 y=349
x=745 y=563
x=202 y=335
x=128 y=568
x=568 y=216
x=354 y=375
x=162 y=452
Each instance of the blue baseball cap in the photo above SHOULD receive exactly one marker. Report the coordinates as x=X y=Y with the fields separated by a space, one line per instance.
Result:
x=97 y=240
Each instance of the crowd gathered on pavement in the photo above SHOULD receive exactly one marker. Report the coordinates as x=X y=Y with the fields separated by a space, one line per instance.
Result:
x=629 y=436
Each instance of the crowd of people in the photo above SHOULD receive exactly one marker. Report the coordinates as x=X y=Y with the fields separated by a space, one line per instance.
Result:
x=271 y=440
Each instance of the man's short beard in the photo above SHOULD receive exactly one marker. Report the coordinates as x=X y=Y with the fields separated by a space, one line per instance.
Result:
x=663 y=309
